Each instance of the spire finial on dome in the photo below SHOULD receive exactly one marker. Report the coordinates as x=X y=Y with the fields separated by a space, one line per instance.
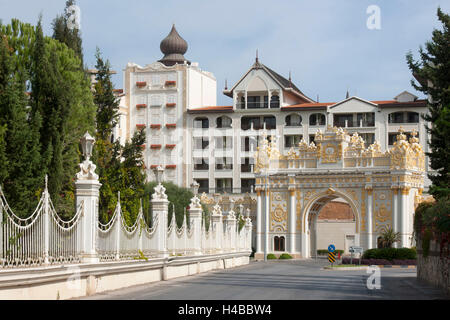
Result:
x=174 y=47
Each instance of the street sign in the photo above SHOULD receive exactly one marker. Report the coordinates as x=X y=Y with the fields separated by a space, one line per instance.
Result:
x=356 y=250
x=331 y=248
x=332 y=257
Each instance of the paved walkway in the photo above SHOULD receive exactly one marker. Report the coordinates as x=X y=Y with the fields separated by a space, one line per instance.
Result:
x=283 y=280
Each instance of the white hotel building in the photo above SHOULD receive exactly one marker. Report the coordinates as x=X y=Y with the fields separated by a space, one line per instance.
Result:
x=193 y=139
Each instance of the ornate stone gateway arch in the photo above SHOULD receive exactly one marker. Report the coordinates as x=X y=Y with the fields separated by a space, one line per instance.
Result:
x=382 y=189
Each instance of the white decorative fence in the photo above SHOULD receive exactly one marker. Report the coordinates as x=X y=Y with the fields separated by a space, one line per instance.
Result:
x=45 y=239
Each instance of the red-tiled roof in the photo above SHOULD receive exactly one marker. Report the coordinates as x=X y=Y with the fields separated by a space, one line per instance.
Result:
x=212 y=109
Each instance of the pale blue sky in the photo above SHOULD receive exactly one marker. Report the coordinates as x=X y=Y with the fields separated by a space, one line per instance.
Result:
x=325 y=44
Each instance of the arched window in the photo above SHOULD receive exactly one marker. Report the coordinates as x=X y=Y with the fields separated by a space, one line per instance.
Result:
x=317 y=119
x=274 y=102
x=293 y=120
x=279 y=244
x=201 y=123
x=223 y=122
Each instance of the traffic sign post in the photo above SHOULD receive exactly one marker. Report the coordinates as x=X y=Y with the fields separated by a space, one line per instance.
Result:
x=353 y=250
x=331 y=254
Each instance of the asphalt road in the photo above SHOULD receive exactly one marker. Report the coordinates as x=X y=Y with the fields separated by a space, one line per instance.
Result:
x=282 y=280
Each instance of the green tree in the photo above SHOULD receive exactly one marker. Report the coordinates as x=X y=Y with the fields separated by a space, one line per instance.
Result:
x=60 y=94
x=60 y=98
x=433 y=75
x=22 y=177
x=179 y=198
x=104 y=98
x=63 y=32
x=389 y=237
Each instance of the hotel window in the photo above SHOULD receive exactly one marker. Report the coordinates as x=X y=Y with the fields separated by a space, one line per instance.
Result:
x=156 y=79
x=293 y=120
x=224 y=185
x=253 y=102
x=292 y=141
x=369 y=138
x=224 y=143
x=156 y=101
x=248 y=185
x=271 y=123
x=279 y=244
x=203 y=185
x=201 y=164
x=404 y=117
x=247 y=165
x=274 y=102
x=343 y=120
x=223 y=122
x=250 y=144
x=312 y=138
x=246 y=123
x=201 y=123
x=224 y=163
x=201 y=143
x=317 y=119
x=367 y=119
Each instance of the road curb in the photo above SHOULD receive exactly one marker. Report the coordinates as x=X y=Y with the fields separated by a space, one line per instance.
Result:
x=365 y=267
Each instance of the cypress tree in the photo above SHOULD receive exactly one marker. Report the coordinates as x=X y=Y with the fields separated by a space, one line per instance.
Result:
x=433 y=73
x=19 y=141
x=69 y=36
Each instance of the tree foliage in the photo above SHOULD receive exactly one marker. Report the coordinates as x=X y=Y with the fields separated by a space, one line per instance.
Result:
x=433 y=74
x=71 y=37
x=44 y=130
x=119 y=167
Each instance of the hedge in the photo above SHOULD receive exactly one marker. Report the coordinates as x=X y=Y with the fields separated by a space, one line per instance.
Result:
x=375 y=262
x=285 y=256
x=271 y=256
x=391 y=254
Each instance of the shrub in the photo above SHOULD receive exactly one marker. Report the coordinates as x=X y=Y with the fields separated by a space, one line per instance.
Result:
x=271 y=256
x=285 y=256
x=390 y=254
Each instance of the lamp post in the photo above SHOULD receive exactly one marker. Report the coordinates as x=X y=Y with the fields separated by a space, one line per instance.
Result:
x=158 y=174
x=266 y=216
x=87 y=144
x=194 y=187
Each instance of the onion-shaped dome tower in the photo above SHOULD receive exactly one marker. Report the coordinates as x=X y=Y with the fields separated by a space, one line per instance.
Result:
x=174 y=47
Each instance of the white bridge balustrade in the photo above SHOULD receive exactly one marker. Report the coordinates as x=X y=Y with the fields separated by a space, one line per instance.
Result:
x=45 y=239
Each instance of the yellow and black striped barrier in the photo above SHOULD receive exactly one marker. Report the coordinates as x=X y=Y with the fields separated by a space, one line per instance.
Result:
x=332 y=257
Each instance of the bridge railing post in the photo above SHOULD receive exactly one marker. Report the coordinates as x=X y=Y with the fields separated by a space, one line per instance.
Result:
x=217 y=228
x=231 y=229
x=160 y=211
x=195 y=214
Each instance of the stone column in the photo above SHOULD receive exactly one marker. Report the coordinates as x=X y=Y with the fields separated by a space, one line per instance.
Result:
x=259 y=220
x=195 y=213
x=266 y=222
x=292 y=218
x=403 y=215
x=160 y=211
x=395 y=218
x=369 y=212
x=217 y=227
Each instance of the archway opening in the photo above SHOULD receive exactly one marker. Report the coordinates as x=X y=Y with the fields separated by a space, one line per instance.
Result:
x=332 y=221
